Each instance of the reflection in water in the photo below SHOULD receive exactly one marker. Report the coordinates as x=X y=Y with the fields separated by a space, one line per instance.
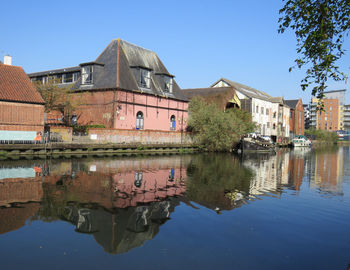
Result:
x=123 y=202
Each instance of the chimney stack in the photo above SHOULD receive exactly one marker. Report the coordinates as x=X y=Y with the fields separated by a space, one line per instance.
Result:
x=8 y=60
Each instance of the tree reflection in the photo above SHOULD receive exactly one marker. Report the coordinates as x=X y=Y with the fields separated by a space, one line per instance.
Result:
x=217 y=181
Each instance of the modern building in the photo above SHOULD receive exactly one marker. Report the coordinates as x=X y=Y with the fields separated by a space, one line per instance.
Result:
x=347 y=117
x=269 y=113
x=21 y=105
x=126 y=87
x=307 y=116
x=340 y=96
x=326 y=119
x=296 y=120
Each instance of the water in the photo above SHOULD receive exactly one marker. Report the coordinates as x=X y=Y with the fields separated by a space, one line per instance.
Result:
x=205 y=211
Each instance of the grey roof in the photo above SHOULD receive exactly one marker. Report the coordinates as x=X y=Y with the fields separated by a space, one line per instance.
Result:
x=130 y=55
x=292 y=102
x=54 y=71
x=246 y=90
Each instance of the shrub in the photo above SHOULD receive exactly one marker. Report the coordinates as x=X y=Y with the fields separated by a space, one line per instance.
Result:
x=214 y=129
x=322 y=135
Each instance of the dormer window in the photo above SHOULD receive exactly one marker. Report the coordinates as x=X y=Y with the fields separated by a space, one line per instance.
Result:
x=168 y=84
x=145 y=78
x=86 y=74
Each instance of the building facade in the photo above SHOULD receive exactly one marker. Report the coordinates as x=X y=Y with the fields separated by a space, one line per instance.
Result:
x=347 y=117
x=21 y=105
x=126 y=87
x=326 y=119
x=340 y=96
x=296 y=119
x=269 y=113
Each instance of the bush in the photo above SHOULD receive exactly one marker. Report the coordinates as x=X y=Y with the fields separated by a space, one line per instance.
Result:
x=214 y=129
x=321 y=135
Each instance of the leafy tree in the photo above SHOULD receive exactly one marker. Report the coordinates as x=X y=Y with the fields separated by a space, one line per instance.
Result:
x=57 y=97
x=215 y=129
x=320 y=27
x=322 y=135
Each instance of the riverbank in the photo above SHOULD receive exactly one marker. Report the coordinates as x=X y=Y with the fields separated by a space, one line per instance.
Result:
x=64 y=149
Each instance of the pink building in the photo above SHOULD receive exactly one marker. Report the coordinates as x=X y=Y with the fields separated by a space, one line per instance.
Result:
x=126 y=87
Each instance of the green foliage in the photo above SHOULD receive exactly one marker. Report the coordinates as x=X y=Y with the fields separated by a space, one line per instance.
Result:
x=214 y=129
x=322 y=135
x=320 y=27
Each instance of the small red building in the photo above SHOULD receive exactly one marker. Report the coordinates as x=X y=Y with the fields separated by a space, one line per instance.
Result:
x=21 y=105
x=296 y=119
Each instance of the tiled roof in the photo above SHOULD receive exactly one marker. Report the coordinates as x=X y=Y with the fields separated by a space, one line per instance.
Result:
x=16 y=86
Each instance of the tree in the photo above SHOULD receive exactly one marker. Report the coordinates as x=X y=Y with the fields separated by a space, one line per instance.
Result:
x=57 y=97
x=320 y=27
x=215 y=129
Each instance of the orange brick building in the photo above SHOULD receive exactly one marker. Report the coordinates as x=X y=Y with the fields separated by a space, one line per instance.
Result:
x=329 y=118
x=21 y=105
x=296 y=120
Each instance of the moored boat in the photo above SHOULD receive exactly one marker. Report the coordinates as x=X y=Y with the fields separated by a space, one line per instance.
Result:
x=301 y=141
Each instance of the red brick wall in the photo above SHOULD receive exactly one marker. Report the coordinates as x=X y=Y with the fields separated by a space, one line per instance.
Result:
x=138 y=136
x=296 y=123
x=21 y=116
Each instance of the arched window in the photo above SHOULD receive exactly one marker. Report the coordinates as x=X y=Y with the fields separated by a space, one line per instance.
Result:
x=138 y=179
x=139 y=120
x=172 y=123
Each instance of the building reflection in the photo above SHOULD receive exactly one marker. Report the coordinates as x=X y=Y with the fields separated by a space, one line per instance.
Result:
x=122 y=202
x=270 y=172
x=328 y=170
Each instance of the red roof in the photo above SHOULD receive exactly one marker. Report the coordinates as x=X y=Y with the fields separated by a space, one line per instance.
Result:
x=15 y=85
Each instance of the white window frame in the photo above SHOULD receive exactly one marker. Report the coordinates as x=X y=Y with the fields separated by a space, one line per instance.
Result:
x=145 y=78
x=86 y=74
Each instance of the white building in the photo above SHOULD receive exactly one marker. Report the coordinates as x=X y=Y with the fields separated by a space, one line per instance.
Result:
x=270 y=114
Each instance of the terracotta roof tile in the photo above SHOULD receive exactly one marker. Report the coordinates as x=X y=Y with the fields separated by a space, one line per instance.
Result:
x=15 y=85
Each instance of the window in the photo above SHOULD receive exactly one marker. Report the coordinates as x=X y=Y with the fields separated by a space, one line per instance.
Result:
x=291 y=114
x=274 y=115
x=76 y=76
x=67 y=78
x=138 y=179
x=262 y=110
x=267 y=111
x=257 y=109
x=86 y=75
x=45 y=80
x=172 y=123
x=274 y=126
x=168 y=84
x=139 y=120
x=145 y=78
x=171 y=175
x=268 y=124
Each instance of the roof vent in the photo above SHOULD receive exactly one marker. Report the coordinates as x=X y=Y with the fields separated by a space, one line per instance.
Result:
x=8 y=60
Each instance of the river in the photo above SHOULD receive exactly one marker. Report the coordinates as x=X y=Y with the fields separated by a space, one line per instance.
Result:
x=289 y=210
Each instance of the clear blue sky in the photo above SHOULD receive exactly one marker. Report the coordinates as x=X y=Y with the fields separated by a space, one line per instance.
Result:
x=198 y=41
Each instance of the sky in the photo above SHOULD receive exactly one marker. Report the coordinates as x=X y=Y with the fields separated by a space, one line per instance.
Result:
x=198 y=41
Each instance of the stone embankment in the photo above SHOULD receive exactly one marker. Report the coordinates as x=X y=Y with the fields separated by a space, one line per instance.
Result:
x=64 y=149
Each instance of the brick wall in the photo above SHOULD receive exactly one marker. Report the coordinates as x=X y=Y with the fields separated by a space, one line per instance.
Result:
x=21 y=116
x=135 y=136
